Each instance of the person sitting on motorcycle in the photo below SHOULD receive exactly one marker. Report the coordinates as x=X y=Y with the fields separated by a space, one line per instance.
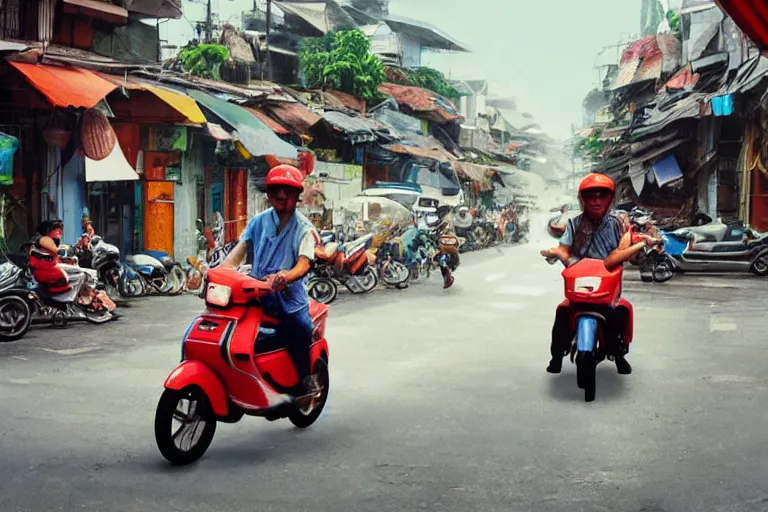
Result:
x=44 y=261
x=597 y=233
x=282 y=247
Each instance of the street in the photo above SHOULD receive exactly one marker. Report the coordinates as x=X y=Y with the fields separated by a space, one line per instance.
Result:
x=439 y=401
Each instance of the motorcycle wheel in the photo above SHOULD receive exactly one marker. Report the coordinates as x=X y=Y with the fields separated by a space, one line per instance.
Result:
x=15 y=318
x=759 y=267
x=663 y=271
x=369 y=279
x=586 y=370
x=131 y=287
x=184 y=415
x=174 y=281
x=322 y=290
x=396 y=274
x=305 y=417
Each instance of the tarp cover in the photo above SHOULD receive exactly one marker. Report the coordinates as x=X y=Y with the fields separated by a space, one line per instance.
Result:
x=66 y=87
x=257 y=137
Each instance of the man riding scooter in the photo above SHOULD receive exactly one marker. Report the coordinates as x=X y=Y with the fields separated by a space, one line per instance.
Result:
x=597 y=233
x=282 y=247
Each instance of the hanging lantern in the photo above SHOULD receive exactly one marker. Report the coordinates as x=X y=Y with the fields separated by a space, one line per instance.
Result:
x=98 y=139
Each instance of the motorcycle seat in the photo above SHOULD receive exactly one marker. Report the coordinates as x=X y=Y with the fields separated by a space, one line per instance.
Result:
x=268 y=338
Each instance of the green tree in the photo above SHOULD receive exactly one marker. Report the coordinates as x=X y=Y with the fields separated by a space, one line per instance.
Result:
x=204 y=60
x=342 y=61
x=432 y=80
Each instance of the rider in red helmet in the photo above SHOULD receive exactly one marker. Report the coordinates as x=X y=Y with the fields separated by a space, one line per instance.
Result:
x=596 y=233
x=281 y=245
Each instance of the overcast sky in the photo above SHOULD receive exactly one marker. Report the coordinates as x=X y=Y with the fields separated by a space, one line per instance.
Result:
x=541 y=52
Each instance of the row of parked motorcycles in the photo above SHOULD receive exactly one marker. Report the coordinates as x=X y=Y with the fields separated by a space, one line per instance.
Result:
x=709 y=246
x=395 y=254
x=94 y=268
x=488 y=228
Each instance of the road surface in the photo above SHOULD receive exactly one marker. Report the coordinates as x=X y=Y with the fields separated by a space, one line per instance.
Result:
x=439 y=401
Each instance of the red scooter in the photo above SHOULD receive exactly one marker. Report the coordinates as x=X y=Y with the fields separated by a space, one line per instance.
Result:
x=592 y=292
x=233 y=364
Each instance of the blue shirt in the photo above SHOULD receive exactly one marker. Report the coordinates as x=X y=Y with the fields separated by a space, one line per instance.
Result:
x=589 y=240
x=273 y=252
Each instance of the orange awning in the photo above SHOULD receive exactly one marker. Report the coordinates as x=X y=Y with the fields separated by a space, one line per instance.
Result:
x=66 y=87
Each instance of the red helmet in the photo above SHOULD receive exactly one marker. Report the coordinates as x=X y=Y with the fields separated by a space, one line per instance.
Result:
x=595 y=180
x=285 y=175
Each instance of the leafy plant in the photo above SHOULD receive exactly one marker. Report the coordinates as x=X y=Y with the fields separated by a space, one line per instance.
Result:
x=204 y=60
x=432 y=80
x=342 y=61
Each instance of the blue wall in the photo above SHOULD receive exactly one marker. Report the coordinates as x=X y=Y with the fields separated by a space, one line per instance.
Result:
x=73 y=200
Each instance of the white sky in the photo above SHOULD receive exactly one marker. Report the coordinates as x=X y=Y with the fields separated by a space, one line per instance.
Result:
x=541 y=52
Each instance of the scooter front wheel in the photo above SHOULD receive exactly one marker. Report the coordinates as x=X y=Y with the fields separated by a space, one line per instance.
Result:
x=184 y=425
x=305 y=417
x=586 y=370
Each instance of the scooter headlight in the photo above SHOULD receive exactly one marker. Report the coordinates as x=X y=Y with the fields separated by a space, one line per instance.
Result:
x=218 y=295
x=586 y=284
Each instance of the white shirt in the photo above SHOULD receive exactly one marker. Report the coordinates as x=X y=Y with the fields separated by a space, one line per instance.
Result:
x=307 y=246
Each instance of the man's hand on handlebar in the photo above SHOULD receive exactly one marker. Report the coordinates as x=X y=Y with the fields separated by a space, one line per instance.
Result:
x=277 y=281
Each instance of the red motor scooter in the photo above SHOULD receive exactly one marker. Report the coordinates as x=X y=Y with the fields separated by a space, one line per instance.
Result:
x=234 y=363
x=592 y=292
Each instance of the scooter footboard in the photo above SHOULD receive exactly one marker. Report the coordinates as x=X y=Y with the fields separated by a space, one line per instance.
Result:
x=587 y=333
x=195 y=373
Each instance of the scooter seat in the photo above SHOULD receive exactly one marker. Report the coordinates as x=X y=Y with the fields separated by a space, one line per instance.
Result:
x=268 y=338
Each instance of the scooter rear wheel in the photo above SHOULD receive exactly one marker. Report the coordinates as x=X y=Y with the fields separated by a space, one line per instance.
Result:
x=181 y=416
x=303 y=418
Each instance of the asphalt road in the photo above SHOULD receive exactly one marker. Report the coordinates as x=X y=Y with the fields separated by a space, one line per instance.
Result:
x=439 y=401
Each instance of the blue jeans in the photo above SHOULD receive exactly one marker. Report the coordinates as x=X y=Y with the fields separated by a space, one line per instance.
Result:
x=296 y=331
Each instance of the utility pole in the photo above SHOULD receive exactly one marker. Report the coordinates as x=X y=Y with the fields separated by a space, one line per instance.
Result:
x=269 y=29
x=208 y=24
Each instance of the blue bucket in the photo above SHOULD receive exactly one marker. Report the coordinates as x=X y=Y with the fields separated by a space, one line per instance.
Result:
x=722 y=105
x=717 y=106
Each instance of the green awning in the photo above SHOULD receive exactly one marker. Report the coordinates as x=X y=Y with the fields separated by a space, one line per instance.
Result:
x=257 y=137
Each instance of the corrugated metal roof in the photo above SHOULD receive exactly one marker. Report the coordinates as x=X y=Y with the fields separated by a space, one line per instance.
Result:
x=296 y=116
x=422 y=102
x=428 y=35
x=274 y=125
x=355 y=129
x=323 y=16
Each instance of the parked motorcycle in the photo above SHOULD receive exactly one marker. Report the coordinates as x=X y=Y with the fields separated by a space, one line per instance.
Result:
x=65 y=304
x=348 y=264
x=224 y=375
x=718 y=247
x=591 y=291
x=15 y=300
x=157 y=271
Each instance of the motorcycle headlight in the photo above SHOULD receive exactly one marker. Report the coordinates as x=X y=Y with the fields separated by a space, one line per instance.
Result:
x=586 y=284
x=218 y=295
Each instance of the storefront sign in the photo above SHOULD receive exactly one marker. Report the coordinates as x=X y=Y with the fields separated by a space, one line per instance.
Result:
x=168 y=138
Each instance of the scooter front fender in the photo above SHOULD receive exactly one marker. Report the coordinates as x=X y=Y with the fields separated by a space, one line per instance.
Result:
x=195 y=373
x=586 y=333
